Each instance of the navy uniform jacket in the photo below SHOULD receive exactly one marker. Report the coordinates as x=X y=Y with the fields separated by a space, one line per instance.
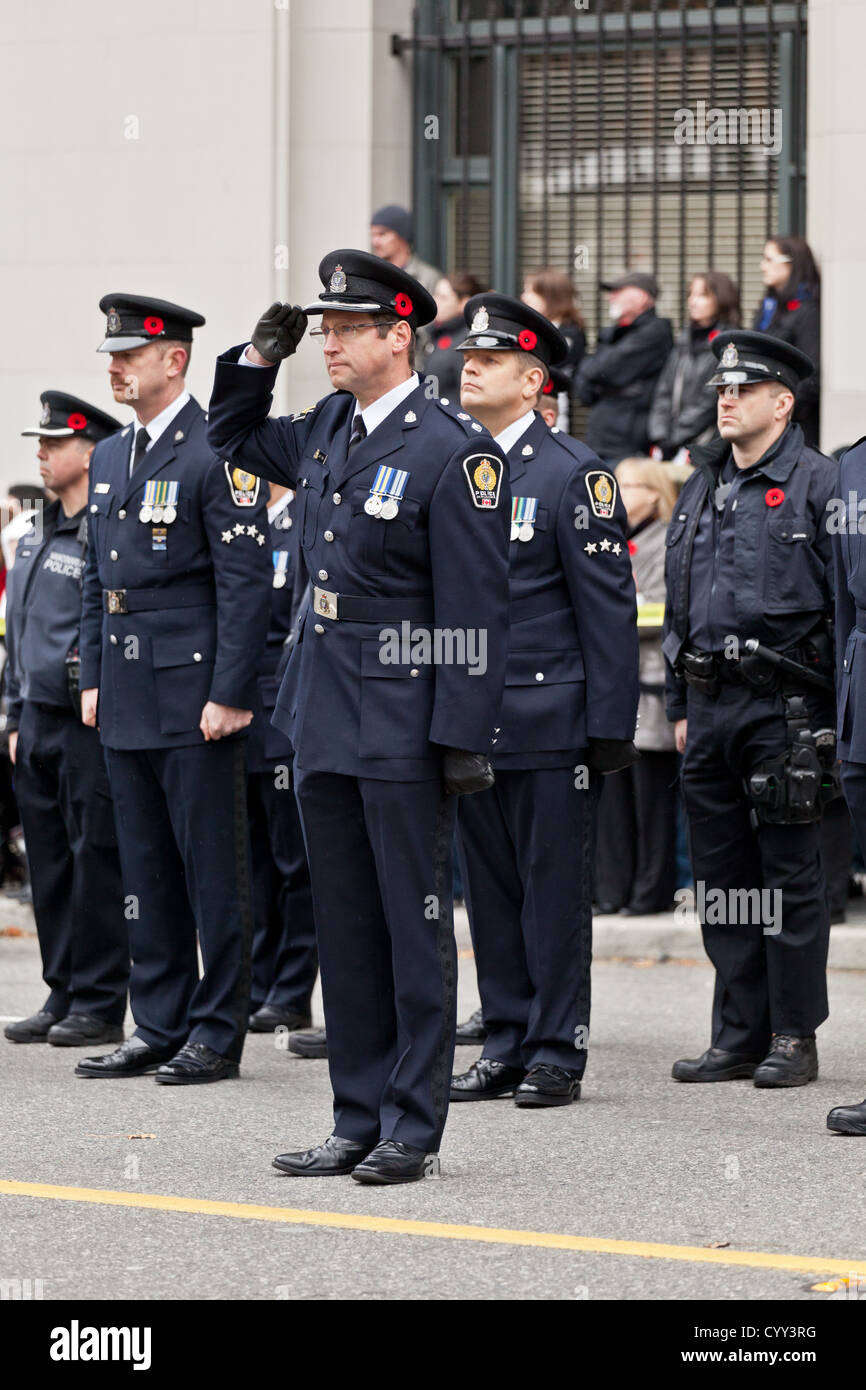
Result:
x=443 y=562
x=266 y=745
x=43 y=610
x=782 y=579
x=849 y=555
x=198 y=595
x=572 y=670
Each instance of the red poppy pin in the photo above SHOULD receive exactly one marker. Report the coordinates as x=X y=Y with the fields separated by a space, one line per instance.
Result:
x=444 y=342
x=711 y=336
x=774 y=497
x=792 y=304
x=527 y=339
x=153 y=325
x=632 y=548
x=403 y=305
x=547 y=389
x=76 y=421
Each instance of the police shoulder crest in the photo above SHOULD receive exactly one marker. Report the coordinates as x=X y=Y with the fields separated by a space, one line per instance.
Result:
x=243 y=486
x=601 y=487
x=302 y=414
x=484 y=476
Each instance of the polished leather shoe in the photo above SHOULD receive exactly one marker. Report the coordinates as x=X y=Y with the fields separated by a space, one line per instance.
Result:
x=715 y=1065
x=195 y=1064
x=268 y=1018
x=83 y=1030
x=133 y=1058
x=789 y=1062
x=391 y=1162
x=472 y=1030
x=329 y=1160
x=312 y=1043
x=30 y=1030
x=485 y=1080
x=547 y=1085
x=848 y=1119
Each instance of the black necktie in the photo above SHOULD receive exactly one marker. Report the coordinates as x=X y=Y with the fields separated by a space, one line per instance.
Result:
x=359 y=432
x=142 y=439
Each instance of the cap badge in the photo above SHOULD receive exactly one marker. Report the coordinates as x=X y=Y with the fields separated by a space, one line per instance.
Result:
x=113 y=322
x=730 y=357
x=45 y=417
x=481 y=320
x=339 y=283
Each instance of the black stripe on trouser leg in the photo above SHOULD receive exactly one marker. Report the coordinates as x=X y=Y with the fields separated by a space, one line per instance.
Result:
x=442 y=869
x=244 y=890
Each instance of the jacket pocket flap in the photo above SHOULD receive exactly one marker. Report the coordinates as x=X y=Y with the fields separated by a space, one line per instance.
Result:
x=543 y=668
x=377 y=658
x=790 y=529
x=180 y=651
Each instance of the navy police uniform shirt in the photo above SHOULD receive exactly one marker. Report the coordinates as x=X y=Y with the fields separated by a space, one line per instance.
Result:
x=43 y=609
x=266 y=745
x=572 y=670
x=367 y=694
x=183 y=545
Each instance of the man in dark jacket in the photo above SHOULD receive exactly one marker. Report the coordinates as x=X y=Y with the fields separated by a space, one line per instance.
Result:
x=619 y=378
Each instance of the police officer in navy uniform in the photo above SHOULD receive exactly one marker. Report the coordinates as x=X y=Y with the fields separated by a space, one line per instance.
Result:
x=403 y=517
x=568 y=715
x=60 y=778
x=848 y=534
x=750 y=687
x=175 y=612
x=285 y=963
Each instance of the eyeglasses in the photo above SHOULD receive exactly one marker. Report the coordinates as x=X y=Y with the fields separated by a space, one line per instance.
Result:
x=345 y=332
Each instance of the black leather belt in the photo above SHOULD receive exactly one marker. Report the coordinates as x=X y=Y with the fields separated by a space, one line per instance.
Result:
x=355 y=608
x=144 y=600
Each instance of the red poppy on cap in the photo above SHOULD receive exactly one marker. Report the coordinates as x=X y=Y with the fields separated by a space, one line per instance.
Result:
x=403 y=305
x=711 y=336
x=444 y=342
x=527 y=339
x=774 y=496
x=76 y=421
x=792 y=304
x=153 y=325
x=547 y=390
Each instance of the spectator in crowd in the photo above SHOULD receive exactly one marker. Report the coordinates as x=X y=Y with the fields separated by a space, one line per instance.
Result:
x=635 y=864
x=392 y=236
x=550 y=292
x=619 y=378
x=791 y=310
x=442 y=361
x=683 y=410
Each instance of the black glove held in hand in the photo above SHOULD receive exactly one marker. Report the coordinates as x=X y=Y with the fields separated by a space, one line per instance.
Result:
x=466 y=772
x=279 y=330
x=611 y=754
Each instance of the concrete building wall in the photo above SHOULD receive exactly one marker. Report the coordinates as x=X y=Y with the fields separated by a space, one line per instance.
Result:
x=207 y=152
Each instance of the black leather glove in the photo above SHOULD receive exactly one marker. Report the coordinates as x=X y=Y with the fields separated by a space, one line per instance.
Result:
x=611 y=754
x=279 y=330
x=466 y=772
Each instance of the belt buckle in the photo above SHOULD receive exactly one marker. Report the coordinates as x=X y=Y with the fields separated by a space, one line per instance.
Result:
x=325 y=603
x=116 y=600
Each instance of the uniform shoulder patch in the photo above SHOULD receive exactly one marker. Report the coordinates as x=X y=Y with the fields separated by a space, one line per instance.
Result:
x=243 y=486
x=302 y=414
x=484 y=476
x=601 y=487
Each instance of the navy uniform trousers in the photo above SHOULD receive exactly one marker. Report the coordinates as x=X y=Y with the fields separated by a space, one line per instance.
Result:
x=68 y=821
x=526 y=854
x=285 y=960
x=183 y=832
x=765 y=983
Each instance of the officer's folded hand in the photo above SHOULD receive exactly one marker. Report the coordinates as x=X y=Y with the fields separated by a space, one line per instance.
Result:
x=278 y=331
x=218 y=721
x=611 y=754
x=464 y=772
x=89 y=701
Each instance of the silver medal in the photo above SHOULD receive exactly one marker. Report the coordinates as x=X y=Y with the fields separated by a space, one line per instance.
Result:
x=146 y=513
x=527 y=531
x=515 y=530
x=280 y=579
x=170 y=514
x=158 y=514
x=373 y=505
x=390 y=508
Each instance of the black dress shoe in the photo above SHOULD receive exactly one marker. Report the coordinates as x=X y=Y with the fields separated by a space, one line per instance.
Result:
x=329 y=1160
x=789 y=1062
x=715 y=1065
x=30 y=1030
x=485 y=1080
x=195 y=1064
x=546 y=1085
x=83 y=1030
x=472 y=1030
x=268 y=1018
x=391 y=1162
x=133 y=1058
x=312 y=1043
x=848 y=1119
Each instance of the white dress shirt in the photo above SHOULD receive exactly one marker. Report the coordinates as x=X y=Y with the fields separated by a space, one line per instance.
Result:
x=159 y=424
x=510 y=435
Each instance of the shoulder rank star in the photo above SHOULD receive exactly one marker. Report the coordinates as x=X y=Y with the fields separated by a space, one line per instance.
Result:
x=227 y=537
x=590 y=547
x=605 y=544
x=617 y=548
x=238 y=528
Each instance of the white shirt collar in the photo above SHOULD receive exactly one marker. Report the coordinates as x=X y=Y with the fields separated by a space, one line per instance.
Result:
x=510 y=435
x=161 y=422
x=275 y=508
x=374 y=414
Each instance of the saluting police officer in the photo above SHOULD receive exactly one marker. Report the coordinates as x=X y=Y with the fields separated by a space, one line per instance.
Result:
x=403 y=517
x=60 y=778
x=568 y=715
x=175 y=612
x=284 y=964
x=749 y=597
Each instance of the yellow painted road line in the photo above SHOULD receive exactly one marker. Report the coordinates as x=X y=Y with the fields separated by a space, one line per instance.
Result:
x=438 y=1230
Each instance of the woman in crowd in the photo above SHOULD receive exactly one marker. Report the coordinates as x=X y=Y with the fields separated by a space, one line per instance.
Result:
x=550 y=292
x=791 y=310
x=635 y=863
x=683 y=411
x=442 y=360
